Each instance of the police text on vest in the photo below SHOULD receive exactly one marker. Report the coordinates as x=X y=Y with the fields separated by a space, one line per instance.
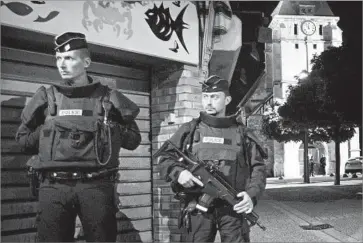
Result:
x=213 y=140
x=76 y=112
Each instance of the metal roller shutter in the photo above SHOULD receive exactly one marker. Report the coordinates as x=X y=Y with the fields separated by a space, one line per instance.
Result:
x=23 y=72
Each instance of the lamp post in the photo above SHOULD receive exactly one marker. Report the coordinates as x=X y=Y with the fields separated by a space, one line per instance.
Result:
x=304 y=74
x=306 y=161
x=308 y=28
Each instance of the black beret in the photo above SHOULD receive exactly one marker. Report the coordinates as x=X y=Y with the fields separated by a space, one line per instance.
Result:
x=70 y=41
x=215 y=84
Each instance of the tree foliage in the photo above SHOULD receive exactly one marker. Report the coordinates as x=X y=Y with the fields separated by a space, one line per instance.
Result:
x=284 y=130
x=318 y=104
x=341 y=71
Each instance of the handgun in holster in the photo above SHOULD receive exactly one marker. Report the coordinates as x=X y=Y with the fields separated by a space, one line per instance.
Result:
x=187 y=207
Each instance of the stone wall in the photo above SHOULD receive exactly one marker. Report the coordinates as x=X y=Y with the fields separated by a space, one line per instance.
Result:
x=254 y=122
x=175 y=99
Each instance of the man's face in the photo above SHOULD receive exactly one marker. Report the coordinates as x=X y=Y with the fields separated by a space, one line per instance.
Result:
x=71 y=64
x=215 y=103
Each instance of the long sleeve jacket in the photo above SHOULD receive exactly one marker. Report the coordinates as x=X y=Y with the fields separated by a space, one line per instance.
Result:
x=250 y=177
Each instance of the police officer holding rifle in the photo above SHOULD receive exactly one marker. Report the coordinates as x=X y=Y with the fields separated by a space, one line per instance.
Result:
x=225 y=145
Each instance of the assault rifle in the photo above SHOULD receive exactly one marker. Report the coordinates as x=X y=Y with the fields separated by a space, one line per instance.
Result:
x=215 y=185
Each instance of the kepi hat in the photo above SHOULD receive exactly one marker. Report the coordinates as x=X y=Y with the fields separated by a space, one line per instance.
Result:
x=215 y=84
x=70 y=41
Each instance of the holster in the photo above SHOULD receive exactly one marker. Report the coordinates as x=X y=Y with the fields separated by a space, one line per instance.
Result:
x=187 y=207
x=188 y=204
x=34 y=180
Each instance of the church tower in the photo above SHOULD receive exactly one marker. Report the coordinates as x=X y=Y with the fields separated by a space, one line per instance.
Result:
x=300 y=29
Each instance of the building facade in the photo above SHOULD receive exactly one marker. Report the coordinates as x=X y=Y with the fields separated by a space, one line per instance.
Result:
x=155 y=52
x=134 y=48
x=300 y=30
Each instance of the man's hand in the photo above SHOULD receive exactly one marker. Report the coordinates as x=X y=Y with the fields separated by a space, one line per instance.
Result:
x=244 y=206
x=186 y=179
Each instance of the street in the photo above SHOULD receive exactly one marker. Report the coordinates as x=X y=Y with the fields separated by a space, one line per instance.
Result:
x=288 y=204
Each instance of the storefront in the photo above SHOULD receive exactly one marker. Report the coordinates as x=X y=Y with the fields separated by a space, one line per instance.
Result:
x=126 y=41
x=156 y=53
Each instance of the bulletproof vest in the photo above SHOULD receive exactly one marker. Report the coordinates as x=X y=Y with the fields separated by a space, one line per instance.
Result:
x=73 y=134
x=223 y=146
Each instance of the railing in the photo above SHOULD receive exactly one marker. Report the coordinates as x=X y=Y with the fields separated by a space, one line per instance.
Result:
x=252 y=90
x=260 y=108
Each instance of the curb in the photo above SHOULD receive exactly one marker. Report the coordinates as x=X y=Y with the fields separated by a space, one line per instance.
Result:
x=317 y=179
x=320 y=183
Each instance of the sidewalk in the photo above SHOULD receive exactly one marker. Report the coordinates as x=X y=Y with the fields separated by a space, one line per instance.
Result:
x=291 y=204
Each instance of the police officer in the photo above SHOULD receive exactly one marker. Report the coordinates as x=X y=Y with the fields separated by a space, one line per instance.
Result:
x=78 y=127
x=220 y=139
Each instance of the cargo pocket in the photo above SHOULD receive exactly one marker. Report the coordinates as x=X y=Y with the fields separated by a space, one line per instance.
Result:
x=74 y=144
x=46 y=141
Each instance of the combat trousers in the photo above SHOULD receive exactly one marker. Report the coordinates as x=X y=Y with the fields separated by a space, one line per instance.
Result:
x=93 y=201
x=204 y=226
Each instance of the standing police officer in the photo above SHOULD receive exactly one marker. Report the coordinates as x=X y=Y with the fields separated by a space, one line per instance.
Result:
x=78 y=127
x=222 y=140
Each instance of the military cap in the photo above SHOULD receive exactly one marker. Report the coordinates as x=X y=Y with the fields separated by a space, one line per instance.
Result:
x=215 y=84
x=70 y=41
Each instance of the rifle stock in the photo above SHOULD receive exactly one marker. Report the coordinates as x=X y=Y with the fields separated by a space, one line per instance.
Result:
x=215 y=186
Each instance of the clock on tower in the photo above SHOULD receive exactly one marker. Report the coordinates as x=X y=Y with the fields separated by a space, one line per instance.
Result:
x=308 y=27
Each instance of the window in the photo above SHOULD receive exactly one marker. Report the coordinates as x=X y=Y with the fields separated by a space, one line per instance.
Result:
x=295 y=29
x=296 y=46
x=306 y=9
x=320 y=30
x=314 y=46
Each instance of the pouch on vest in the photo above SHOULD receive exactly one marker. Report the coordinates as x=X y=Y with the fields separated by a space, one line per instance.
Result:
x=210 y=145
x=69 y=141
x=70 y=138
x=225 y=149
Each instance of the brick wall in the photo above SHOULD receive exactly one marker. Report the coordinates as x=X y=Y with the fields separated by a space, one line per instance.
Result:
x=175 y=99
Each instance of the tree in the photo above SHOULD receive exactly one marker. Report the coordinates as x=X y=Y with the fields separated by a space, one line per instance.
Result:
x=309 y=107
x=284 y=130
x=312 y=104
x=340 y=68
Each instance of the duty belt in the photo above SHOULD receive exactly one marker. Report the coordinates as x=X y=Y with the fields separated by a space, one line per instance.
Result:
x=80 y=175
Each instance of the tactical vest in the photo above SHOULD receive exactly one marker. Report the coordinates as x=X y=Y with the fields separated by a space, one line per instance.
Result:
x=74 y=134
x=226 y=148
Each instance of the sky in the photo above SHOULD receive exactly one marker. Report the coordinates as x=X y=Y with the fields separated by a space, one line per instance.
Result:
x=350 y=13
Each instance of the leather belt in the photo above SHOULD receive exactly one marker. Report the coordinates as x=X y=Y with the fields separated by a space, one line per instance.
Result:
x=80 y=175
